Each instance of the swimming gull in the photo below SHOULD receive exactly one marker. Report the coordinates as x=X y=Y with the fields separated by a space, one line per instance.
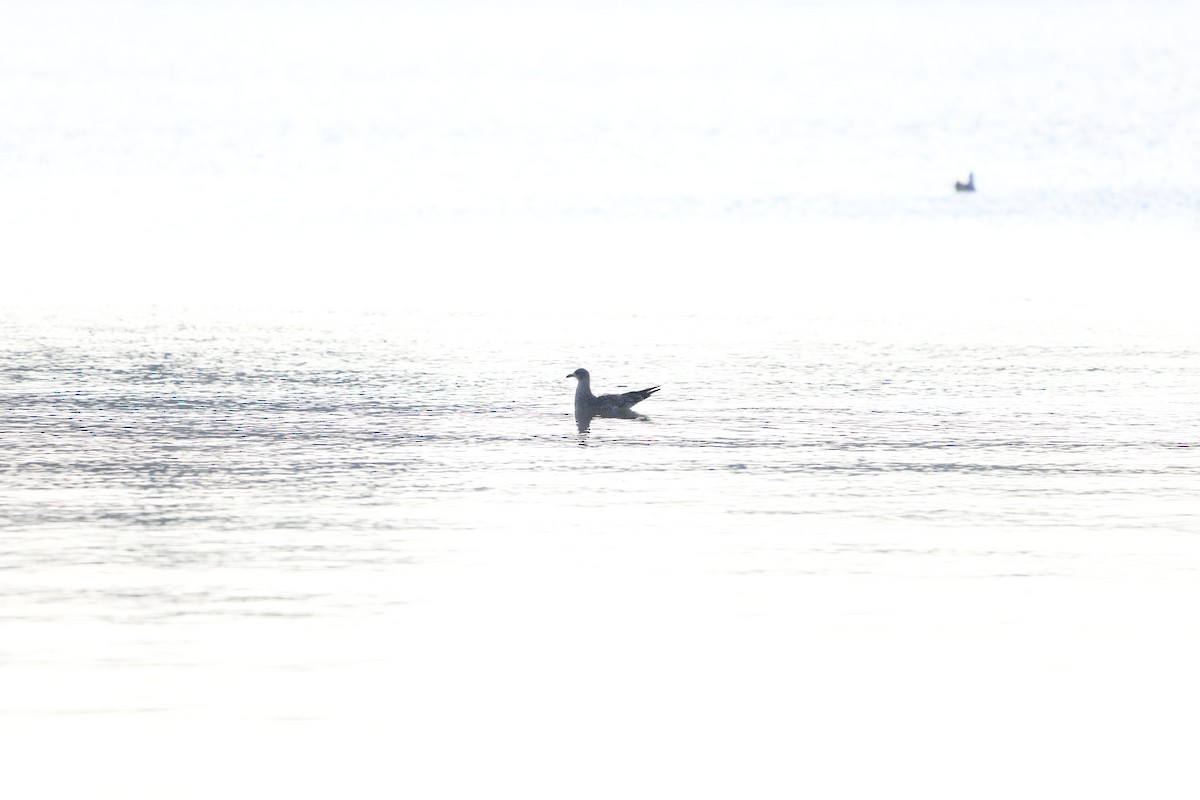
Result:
x=969 y=186
x=617 y=405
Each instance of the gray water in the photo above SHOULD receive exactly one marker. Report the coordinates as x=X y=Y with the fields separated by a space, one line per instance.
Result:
x=292 y=498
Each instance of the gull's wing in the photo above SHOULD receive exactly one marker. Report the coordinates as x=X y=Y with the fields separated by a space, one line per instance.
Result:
x=627 y=399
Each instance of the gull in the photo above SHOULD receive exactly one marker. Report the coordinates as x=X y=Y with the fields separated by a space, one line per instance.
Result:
x=588 y=405
x=969 y=186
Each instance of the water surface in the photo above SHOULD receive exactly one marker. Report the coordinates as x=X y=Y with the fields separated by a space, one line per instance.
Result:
x=292 y=501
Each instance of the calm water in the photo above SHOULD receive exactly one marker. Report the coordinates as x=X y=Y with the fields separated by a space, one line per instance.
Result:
x=292 y=501
x=378 y=541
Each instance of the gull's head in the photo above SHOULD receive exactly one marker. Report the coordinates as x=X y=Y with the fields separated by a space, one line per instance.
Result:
x=581 y=374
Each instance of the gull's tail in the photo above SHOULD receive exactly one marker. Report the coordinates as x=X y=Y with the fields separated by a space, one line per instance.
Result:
x=640 y=395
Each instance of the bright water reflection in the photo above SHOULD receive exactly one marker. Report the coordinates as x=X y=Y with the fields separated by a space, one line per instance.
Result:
x=385 y=523
x=915 y=512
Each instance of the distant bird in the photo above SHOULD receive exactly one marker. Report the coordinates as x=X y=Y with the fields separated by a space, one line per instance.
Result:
x=588 y=405
x=969 y=186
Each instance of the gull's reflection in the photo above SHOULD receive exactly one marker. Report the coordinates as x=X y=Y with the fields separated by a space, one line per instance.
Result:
x=584 y=417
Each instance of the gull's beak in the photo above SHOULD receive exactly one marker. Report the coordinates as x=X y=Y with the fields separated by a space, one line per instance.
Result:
x=572 y=375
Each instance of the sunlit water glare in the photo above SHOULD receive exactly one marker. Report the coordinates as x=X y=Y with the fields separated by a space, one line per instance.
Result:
x=293 y=503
